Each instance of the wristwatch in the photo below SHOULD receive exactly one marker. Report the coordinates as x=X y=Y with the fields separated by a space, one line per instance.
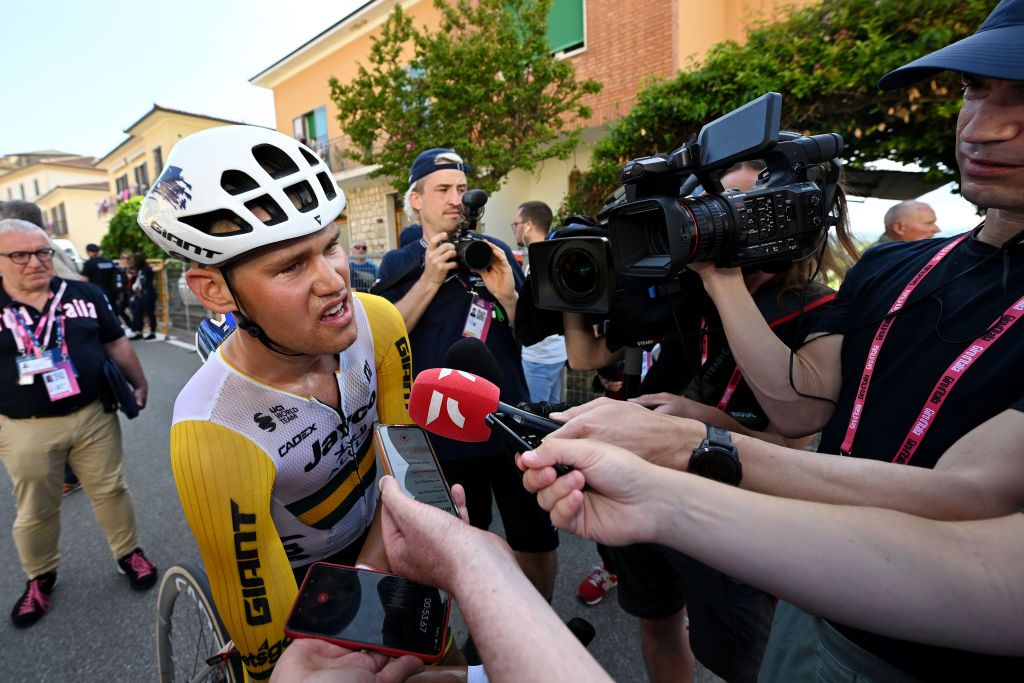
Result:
x=716 y=458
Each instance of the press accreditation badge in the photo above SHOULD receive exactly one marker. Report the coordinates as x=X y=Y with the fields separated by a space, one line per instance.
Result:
x=60 y=382
x=478 y=322
x=30 y=365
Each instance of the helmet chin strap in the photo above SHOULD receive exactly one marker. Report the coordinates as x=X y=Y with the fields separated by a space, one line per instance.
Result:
x=252 y=328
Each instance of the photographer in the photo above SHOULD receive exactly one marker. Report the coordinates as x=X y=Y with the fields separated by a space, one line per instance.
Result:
x=729 y=622
x=445 y=302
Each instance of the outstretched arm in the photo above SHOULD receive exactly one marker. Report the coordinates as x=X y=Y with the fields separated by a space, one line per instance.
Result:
x=844 y=563
x=435 y=548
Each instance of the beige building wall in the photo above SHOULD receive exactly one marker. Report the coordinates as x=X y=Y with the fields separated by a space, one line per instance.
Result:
x=85 y=224
x=628 y=42
x=48 y=176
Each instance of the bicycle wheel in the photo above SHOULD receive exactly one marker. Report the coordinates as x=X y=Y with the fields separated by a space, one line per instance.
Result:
x=188 y=630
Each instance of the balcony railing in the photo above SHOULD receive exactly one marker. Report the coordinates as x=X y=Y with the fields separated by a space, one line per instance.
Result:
x=332 y=151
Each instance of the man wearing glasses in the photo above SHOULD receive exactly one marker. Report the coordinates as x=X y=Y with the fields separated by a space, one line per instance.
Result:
x=363 y=270
x=55 y=335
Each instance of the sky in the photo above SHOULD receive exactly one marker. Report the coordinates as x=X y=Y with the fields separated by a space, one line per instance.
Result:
x=76 y=74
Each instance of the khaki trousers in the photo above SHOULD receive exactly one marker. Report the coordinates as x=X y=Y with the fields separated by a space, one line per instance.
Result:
x=34 y=451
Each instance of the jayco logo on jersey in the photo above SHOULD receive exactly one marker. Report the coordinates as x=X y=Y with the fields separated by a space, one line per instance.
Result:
x=451 y=405
x=264 y=422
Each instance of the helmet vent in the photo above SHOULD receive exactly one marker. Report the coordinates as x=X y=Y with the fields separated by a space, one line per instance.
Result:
x=327 y=185
x=222 y=222
x=236 y=182
x=302 y=196
x=274 y=161
x=267 y=210
x=310 y=157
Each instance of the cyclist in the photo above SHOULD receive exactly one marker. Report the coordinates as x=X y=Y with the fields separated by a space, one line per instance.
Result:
x=271 y=443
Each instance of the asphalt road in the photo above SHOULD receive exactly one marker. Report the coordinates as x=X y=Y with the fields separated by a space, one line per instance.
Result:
x=101 y=630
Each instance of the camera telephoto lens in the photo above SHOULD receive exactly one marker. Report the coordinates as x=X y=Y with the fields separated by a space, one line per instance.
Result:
x=577 y=272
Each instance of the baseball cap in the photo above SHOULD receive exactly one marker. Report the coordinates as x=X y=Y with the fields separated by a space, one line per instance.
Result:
x=91 y=247
x=996 y=50
x=426 y=163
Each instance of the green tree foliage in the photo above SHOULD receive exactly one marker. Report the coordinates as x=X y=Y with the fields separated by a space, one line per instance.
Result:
x=125 y=235
x=826 y=60
x=483 y=82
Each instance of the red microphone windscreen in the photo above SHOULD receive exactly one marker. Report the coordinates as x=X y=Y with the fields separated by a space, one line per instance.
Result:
x=453 y=404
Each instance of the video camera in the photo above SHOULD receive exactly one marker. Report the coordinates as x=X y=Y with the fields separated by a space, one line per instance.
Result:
x=651 y=228
x=472 y=250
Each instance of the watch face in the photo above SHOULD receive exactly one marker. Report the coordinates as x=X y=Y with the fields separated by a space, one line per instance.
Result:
x=715 y=463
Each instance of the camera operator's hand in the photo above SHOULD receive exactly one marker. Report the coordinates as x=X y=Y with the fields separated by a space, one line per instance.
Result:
x=718 y=280
x=434 y=547
x=679 y=406
x=439 y=260
x=317 y=661
x=660 y=439
x=499 y=280
x=616 y=507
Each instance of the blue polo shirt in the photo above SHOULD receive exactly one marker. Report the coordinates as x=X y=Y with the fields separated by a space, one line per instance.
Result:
x=441 y=326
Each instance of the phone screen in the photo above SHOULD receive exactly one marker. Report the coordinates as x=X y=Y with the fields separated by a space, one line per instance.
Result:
x=366 y=609
x=411 y=461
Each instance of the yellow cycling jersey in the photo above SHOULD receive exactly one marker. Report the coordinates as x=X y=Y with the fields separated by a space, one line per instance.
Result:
x=270 y=480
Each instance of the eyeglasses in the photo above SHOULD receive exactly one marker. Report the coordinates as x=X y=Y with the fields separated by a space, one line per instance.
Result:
x=516 y=224
x=22 y=258
x=359 y=247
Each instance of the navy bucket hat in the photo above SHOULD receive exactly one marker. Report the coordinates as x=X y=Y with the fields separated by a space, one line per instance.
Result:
x=996 y=50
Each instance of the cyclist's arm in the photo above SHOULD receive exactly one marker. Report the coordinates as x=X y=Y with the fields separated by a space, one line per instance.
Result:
x=765 y=359
x=225 y=483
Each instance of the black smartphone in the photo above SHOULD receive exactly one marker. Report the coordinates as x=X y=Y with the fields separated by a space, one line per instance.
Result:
x=365 y=609
x=406 y=454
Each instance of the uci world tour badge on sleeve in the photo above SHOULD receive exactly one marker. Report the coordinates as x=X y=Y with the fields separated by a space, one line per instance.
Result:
x=478 y=322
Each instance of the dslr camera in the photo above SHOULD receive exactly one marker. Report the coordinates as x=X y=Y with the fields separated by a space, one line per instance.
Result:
x=472 y=250
x=653 y=226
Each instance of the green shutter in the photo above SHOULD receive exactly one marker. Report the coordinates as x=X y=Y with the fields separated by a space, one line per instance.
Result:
x=565 y=25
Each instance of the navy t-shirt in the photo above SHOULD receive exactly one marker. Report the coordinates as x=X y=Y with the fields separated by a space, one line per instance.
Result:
x=89 y=324
x=934 y=328
x=441 y=326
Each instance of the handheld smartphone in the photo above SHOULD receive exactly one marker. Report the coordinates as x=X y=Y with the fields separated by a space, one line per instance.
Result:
x=365 y=609
x=406 y=454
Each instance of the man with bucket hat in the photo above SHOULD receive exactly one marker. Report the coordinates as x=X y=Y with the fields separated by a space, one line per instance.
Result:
x=916 y=353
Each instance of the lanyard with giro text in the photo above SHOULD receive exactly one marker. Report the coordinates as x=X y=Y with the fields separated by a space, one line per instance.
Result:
x=948 y=379
x=737 y=374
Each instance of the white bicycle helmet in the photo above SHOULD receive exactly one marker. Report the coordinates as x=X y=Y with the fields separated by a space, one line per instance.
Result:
x=204 y=205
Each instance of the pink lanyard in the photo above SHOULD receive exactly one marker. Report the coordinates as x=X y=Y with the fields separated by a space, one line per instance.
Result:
x=737 y=374
x=23 y=327
x=949 y=378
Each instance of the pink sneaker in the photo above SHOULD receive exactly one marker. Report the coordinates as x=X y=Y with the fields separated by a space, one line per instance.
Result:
x=596 y=585
x=141 y=572
x=35 y=601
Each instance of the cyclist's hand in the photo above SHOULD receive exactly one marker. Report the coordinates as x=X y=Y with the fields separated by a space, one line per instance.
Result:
x=439 y=260
x=661 y=439
x=615 y=508
x=434 y=547
x=316 y=661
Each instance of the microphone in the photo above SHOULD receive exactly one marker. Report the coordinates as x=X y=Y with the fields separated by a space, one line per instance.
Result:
x=469 y=354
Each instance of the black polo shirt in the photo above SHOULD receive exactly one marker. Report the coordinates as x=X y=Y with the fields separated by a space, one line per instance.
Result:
x=933 y=329
x=102 y=272
x=88 y=323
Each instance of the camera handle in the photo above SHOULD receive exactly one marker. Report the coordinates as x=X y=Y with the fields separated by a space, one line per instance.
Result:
x=633 y=365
